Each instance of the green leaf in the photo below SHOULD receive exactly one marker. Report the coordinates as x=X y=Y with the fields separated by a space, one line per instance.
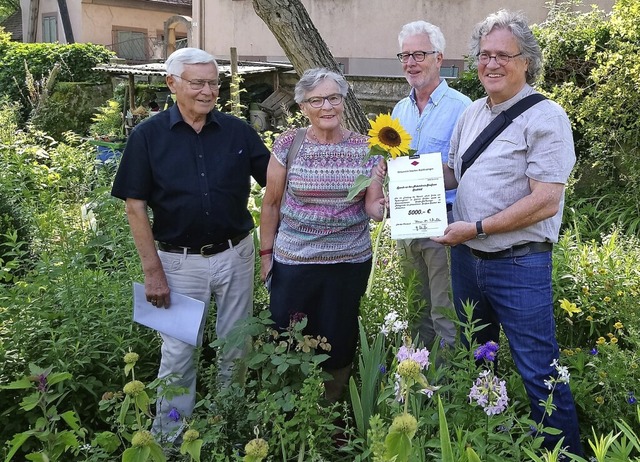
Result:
x=282 y=368
x=192 y=448
x=17 y=442
x=126 y=403
x=30 y=402
x=156 y=453
x=37 y=457
x=445 y=438
x=52 y=379
x=70 y=418
x=356 y=404
x=136 y=454
x=128 y=368
x=18 y=384
x=397 y=445
x=142 y=402
x=108 y=441
x=472 y=456
x=361 y=183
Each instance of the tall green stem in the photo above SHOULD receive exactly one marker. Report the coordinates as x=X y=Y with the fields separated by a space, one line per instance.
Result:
x=379 y=230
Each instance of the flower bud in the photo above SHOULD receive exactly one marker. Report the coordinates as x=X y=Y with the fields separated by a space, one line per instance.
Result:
x=409 y=369
x=257 y=448
x=141 y=439
x=190 y=435
x=404 y=423
x=133 y=388
x=131 y=358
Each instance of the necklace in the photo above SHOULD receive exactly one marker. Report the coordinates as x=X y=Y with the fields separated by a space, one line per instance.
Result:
x=312 y=134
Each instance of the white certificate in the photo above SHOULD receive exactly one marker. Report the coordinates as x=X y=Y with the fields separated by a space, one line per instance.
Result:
x=416 y=196
x=184 y=319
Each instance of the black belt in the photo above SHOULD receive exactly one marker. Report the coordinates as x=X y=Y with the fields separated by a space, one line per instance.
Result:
x=206 y=250
x=515 y=251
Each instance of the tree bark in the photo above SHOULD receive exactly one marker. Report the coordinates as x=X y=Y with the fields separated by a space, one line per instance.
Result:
x=289 y=22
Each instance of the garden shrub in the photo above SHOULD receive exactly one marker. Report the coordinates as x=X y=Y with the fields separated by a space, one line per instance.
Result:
x=70 y=108
x=76 y=62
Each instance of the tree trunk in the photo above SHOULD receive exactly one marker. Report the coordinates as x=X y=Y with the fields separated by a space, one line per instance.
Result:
x=291 y=25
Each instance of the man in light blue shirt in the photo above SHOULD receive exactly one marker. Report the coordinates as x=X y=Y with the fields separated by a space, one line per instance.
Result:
x=428 y=114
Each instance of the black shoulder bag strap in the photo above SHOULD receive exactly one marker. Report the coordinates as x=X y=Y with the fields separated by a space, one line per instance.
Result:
x=497 y=125
x=291 y=155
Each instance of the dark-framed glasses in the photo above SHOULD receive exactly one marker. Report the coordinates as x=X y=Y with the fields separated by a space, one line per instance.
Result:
x=214 y=85
x=418 y=56
x=502 y=59
x=318 y=101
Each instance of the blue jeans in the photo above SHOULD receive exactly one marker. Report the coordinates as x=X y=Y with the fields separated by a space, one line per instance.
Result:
x=516 y=293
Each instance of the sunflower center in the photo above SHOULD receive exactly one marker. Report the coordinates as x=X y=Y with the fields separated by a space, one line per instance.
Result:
x=390 y=137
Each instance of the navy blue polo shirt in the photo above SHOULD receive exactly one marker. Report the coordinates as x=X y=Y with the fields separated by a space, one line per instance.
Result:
x=197 y=184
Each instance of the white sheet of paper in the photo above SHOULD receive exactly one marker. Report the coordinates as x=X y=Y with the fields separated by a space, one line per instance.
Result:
x=184 y=319
x=416 y=196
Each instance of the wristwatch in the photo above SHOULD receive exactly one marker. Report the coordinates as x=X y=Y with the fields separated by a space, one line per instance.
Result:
x=481 y=234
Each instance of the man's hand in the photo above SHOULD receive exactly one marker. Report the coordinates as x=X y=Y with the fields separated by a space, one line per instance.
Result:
x=156 y=289
x=457 y=233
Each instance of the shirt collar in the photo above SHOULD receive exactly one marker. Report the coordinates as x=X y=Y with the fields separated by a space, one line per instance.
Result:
x=175 y=116
x=498 y=108
x=436 y=95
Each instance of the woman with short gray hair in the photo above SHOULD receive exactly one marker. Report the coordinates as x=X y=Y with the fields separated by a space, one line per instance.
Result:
x=320 y=258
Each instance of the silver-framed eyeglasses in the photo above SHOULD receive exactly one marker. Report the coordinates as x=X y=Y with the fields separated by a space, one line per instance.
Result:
x=418 y=56
x=214 y=85
x=318 y=101
x=502 y=59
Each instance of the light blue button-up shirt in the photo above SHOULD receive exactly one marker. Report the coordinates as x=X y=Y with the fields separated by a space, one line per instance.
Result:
x=431 y=131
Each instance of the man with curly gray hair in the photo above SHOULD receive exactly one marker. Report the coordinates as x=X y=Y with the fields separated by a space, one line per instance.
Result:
x=507 y=215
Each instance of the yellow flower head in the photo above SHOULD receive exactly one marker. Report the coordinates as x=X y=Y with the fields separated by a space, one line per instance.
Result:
x=618 y=325
x=388 y=135
x=614 y=340
x=589 y=318
x=599 y=399
x=601 y=341
x=569 y=307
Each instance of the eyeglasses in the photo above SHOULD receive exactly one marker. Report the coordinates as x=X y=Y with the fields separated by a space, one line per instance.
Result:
x=418 y=56
x=318 y=101
x=214 y=85
x=502 y=59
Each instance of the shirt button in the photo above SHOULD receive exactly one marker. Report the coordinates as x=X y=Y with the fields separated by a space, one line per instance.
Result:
x=202 y=174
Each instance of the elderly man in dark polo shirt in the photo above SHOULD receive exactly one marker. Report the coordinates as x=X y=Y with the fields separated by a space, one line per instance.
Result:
x=192 y=164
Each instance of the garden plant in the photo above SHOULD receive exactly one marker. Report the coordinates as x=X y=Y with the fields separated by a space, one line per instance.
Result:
x=77 y=376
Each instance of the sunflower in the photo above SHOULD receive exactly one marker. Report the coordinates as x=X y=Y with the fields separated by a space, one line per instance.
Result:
x=388 y=135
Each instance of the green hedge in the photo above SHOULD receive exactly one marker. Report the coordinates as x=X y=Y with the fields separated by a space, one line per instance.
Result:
x=76 y=60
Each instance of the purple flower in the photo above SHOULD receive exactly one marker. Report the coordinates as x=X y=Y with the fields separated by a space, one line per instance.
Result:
x=382 y=368
x=174 y=414
x=631 y=399
x=297 y=317
x=487 y=351
x=490 y=393
x=42 y=383
x=594 y=351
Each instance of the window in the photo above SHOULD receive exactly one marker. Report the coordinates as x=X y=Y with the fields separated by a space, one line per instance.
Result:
x=131 y=45
x=49 y=28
